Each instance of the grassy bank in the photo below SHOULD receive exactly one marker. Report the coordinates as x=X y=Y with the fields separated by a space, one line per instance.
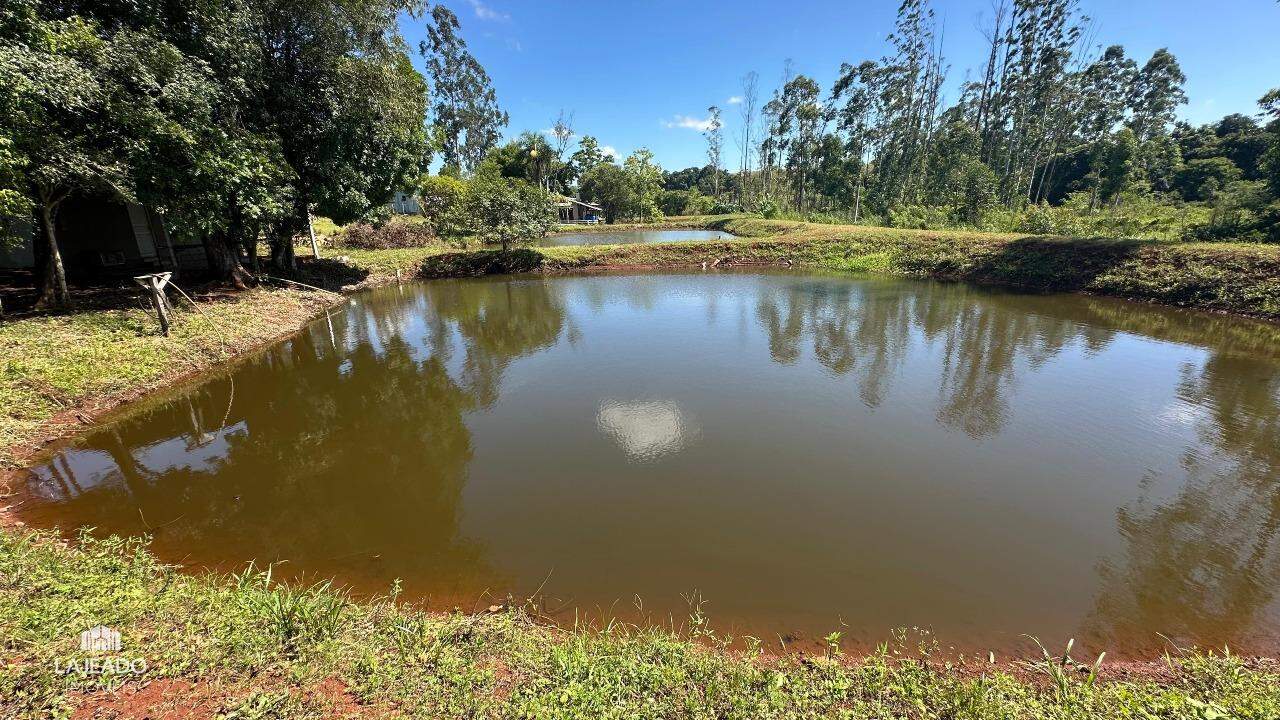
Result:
x=1240 y=278
x=58 y=371
x=243 y=646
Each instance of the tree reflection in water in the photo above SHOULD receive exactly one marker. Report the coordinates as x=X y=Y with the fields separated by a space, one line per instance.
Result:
x=348 y=448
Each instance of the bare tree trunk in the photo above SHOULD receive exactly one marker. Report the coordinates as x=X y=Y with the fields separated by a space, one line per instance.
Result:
x=53 y=290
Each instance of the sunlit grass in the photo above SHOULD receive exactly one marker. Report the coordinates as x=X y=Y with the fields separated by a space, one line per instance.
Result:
x=262 y=645
x=50 y=363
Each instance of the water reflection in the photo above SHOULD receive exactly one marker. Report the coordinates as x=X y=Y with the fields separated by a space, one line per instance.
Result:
x=646 y=430
x=799 y=448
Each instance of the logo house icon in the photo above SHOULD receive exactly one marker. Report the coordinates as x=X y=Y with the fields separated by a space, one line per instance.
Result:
x=100 y=639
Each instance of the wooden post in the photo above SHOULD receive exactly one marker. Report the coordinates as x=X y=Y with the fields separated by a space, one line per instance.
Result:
x=154 y=284
x=315 y=249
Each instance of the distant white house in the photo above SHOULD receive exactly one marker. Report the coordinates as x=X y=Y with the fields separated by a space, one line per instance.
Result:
x=405 y=204
x=573 y=210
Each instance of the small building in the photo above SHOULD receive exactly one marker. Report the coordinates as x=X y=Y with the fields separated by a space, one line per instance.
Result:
x=102 y=238
x=405 y=204
x=573 y=210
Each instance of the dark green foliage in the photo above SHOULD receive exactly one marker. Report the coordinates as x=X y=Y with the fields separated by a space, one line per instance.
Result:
x=507 y=210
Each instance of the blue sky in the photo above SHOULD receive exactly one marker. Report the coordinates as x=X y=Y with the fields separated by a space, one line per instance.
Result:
x=632 y=72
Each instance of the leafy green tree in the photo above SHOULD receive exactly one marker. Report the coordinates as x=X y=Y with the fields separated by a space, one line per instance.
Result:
x=644 y=175
x=442 y=201
x=608 y=186
x=1157 y=93
x=339 y=91
x=1202 y=178
x=1121 y=170
x=80 y=110
x=529 y=157
x=467 y=119
x=587 y=156
x=508 y=210
x=955 y=176
x=1270 y=162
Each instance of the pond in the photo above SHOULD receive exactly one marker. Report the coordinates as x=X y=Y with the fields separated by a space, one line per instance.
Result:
x=628 y=237
x=799 y=452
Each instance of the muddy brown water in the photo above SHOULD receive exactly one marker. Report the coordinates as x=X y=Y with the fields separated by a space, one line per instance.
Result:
x=801 y=452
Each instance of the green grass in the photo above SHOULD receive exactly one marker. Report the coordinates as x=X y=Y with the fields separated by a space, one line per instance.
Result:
x=53 y=363
x=259 y=646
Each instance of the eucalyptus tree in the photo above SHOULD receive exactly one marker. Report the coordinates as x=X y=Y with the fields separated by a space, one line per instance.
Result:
x=1105 y=94
x=466 y=118
x=909 y=85
x=857 y=99
x=1157 y=93
x=715 y=145
x=747 y=108
x=562 y=134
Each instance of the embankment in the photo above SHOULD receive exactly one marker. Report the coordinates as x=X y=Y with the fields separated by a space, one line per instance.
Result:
x=1242 y=278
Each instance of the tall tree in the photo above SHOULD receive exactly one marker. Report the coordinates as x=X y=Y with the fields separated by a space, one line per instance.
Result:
x=340 y=93
x=587 y=156
x=1105 y=95
x=747 y=108
x=715 y=144
x=562 y=135
x=467 y=119
x=644 y=175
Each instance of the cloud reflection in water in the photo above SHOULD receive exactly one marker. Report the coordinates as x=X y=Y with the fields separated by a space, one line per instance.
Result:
x=646 y=430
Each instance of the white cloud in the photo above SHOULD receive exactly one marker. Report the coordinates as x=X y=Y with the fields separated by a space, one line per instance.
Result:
x=734 y=100
x=484 y=12
x=610 y=150
x=683 y=121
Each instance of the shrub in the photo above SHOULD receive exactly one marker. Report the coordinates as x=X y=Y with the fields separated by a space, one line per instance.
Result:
x=922 y=217
x=768 y=209
x=509 y=211
x=398 y=232
x=442 y=199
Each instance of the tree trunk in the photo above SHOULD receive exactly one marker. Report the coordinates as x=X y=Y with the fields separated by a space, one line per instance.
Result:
x=224 y=260
x=53 y=286
x=282 y=259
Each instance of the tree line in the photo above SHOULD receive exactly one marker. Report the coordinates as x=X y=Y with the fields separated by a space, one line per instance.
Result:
x=1046 y=120
x=236 y=119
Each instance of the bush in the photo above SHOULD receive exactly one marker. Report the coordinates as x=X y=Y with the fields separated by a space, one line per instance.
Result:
x=922 y=217
x=768 y=209
x=442 y=199
x=725 y=208
x=396 y=233
x=509 y=211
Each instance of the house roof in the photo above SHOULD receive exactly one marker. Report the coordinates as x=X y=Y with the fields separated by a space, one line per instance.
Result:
x=566 y=201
